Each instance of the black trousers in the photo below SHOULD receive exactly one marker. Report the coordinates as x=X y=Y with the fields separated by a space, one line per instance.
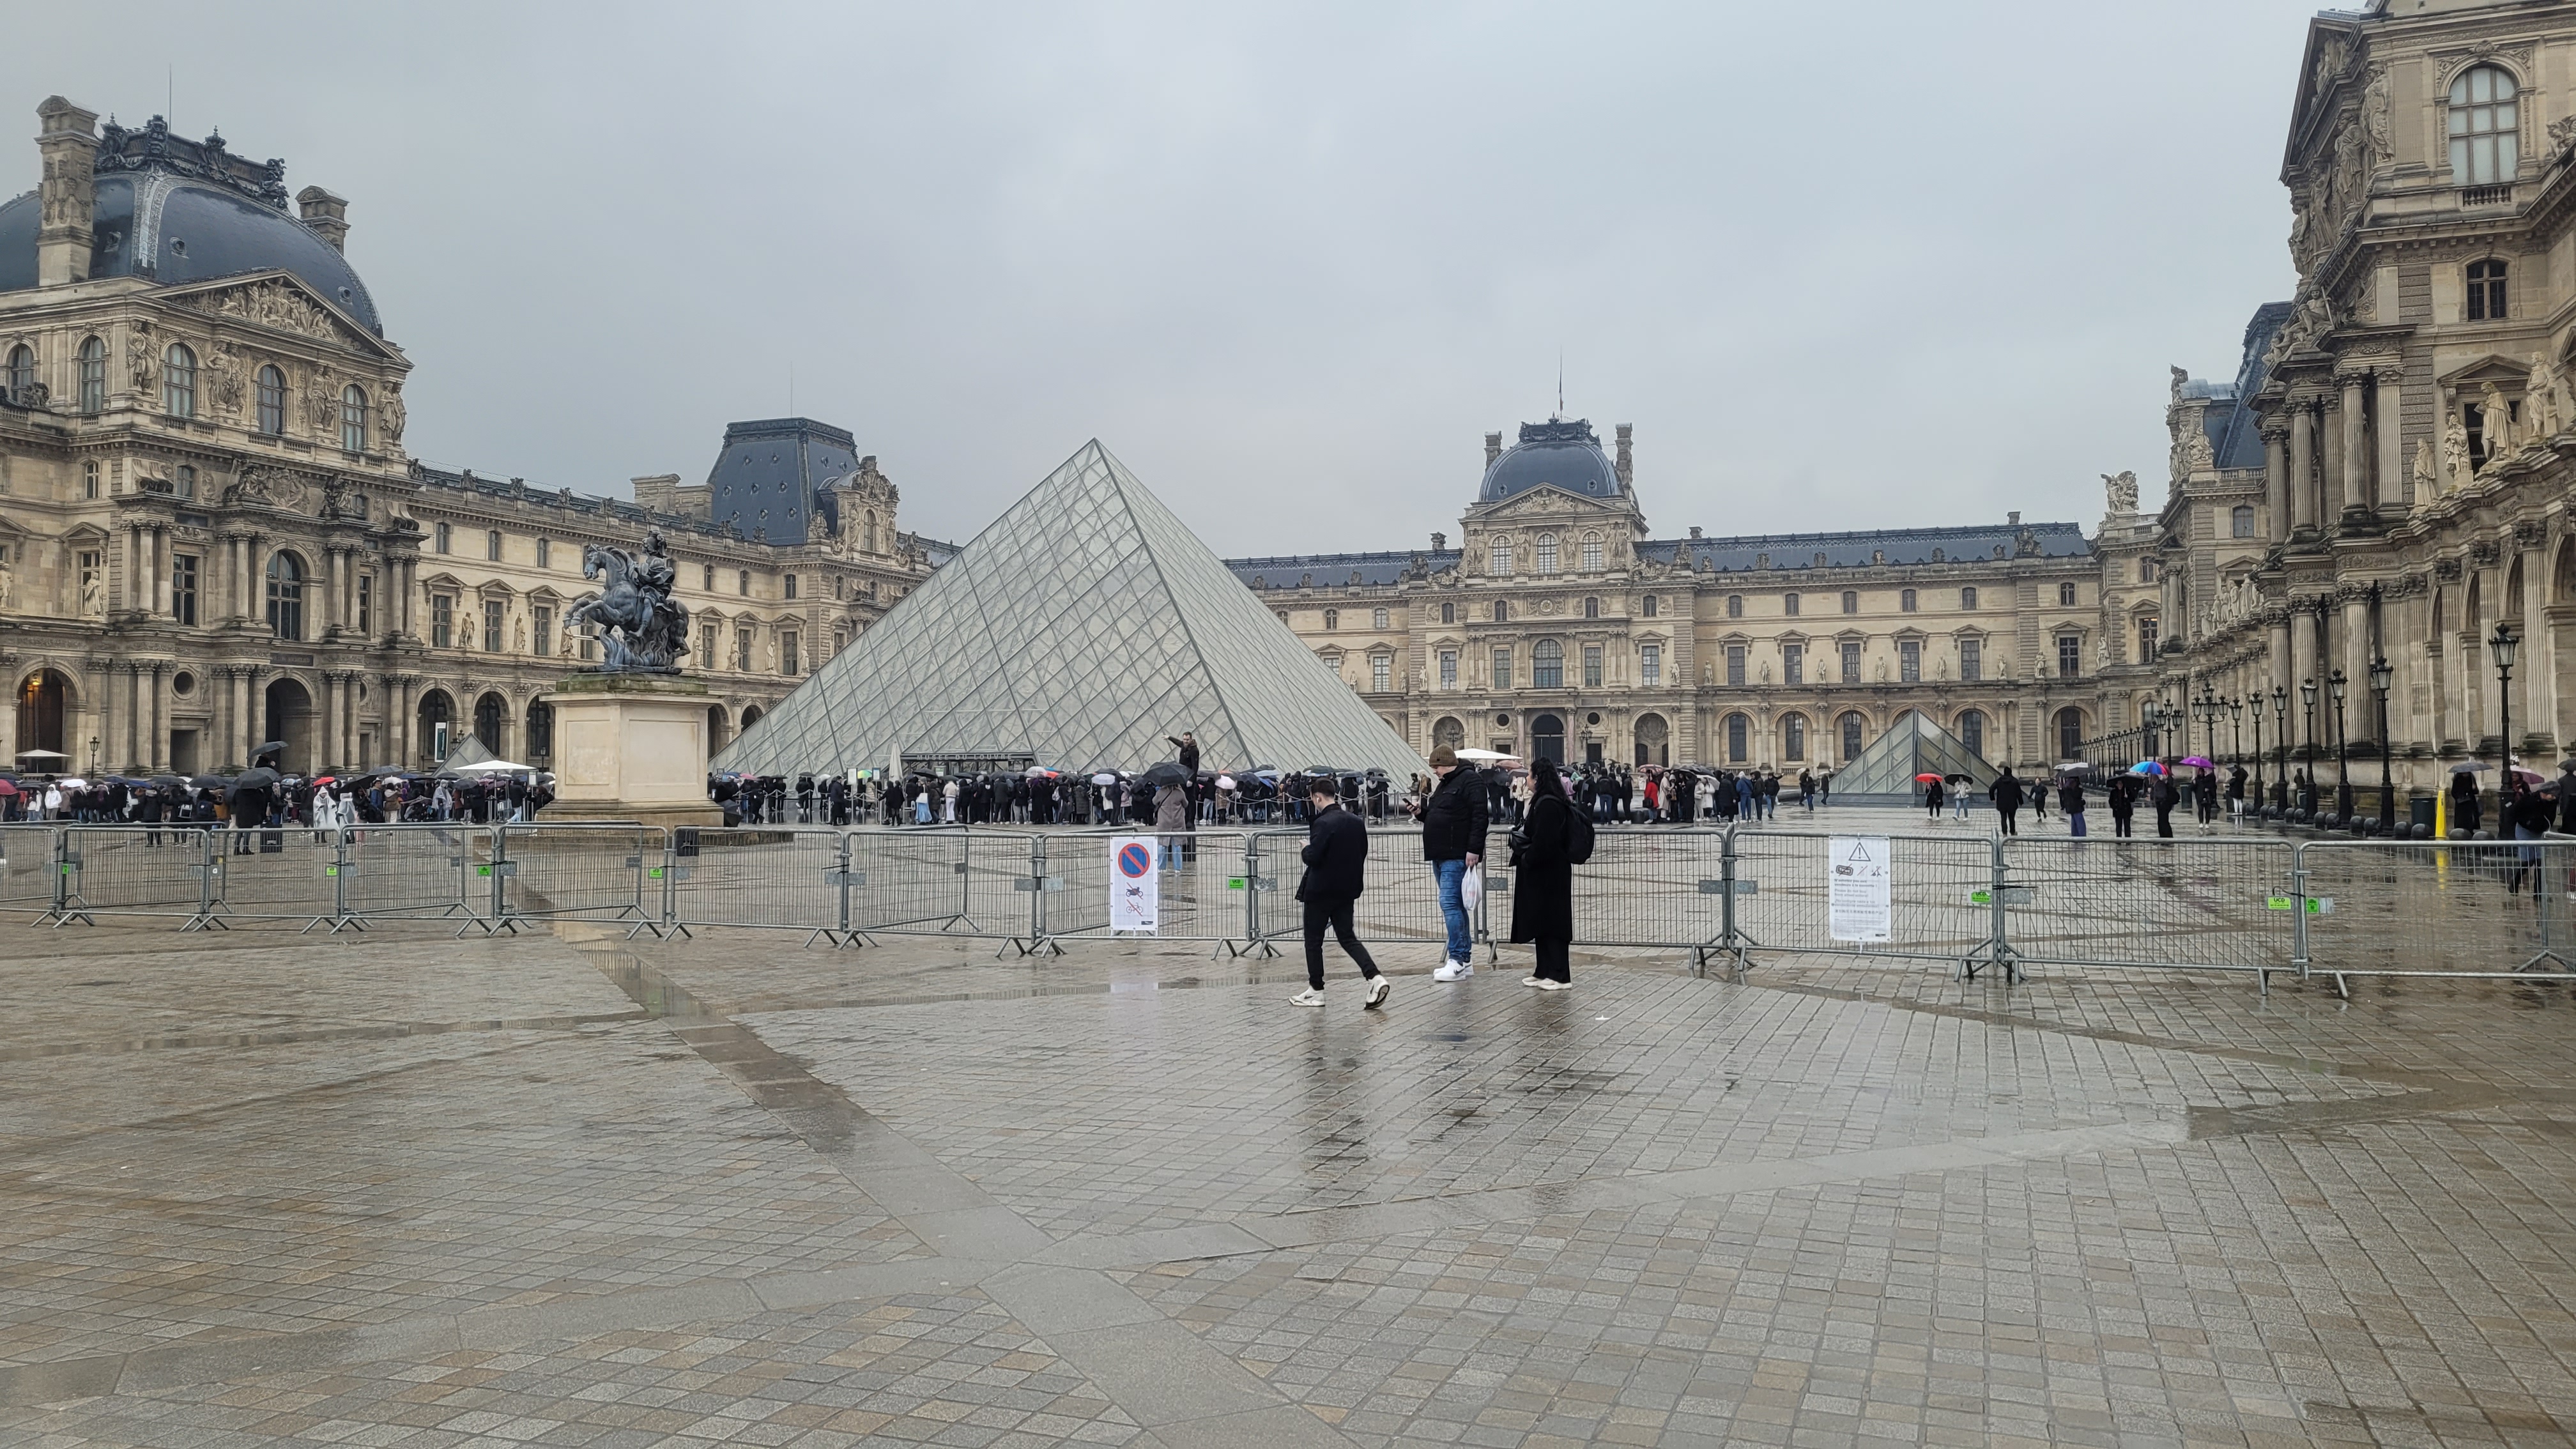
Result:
x=1337 y=914
x=2120 y=824
x=2164 y=822
x=2011 y=825
x=1553 y=964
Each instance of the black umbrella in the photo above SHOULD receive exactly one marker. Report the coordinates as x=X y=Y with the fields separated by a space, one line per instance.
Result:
x=169 y=782
x=260 y=778
x=1167 y=773
x=1958 y=779
x=273 y=747
x=208 y=782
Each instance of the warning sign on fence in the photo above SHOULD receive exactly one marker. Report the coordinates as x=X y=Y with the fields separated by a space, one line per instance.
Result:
x=1856 y=901
x=1135 y=896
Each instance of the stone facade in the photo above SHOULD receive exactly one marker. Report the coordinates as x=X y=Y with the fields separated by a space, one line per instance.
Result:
x=211 y=533
x=1560 y=625
x=2403 y=468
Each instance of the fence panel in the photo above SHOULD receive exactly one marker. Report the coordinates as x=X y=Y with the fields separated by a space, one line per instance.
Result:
x=594 y=871
x=2432 y=908
x=2205 y=902
x=775 y=878
x=925 y=879
x=135 y=870
x=285 y=874
x=417 y=872
x=1936 y=893
x=27 y=868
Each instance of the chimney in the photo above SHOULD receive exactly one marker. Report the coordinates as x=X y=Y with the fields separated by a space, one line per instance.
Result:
x=1439 y=542
x=324 y=215
x=68 y=143
x=1627 y=465
x=1493 y=448
x=1694 y=530
x=2013 y=519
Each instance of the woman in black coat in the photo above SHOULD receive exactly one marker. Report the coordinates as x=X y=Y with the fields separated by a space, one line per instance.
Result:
x=1543 y=879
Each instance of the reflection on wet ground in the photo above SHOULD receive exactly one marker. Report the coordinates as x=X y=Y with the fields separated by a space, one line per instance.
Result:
x=567 y=1189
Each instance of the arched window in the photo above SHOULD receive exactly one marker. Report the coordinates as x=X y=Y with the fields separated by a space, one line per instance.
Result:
x=272 y=401
x=1592 y=555
x=353 y=419
x=1546 y=558
x=1972 y=732
x=1851 y=727
x=2486 y=133
x=868 y=533
x=20 y=370
x=2240 y=523
x=93 y=376
x=1447 y=730
x=1547 y=665
x=1500 y=560
x=2486 y=297
x=2070 y=733
x=1793 y=738
x=1332 y=620
x=1968 y=598
x=1739 y=738
x=285 y=596
x=179 y=381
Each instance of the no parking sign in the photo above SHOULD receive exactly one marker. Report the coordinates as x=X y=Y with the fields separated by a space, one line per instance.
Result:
x=1135 y=891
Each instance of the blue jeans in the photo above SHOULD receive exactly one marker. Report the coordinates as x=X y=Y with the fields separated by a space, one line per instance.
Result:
x=1453 y=910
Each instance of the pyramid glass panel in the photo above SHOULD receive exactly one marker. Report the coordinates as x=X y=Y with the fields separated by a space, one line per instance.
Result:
x=1082 y=627
x=1883 y=774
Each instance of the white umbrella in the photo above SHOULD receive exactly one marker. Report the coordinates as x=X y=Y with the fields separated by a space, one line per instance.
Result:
x=1105 y=777
x=1484 y=755
x=1225 y=782
x=71 y=784
x=490 y=767
x=42 y=755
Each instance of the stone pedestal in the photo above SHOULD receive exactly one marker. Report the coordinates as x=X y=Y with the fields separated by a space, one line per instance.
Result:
x=631 y=747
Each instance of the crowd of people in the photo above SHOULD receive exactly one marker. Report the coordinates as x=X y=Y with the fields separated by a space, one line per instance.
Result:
x=261 y=797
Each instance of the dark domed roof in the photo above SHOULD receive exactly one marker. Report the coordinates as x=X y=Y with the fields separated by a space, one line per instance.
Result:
x=184 y=211
x=1559 y=454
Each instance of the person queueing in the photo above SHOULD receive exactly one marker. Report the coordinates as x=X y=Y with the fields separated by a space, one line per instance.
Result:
x=2124 y=804
x=1932 y=801
x=1336 y=857
x=2006 y=793
x=1543 y=880
x=2070 y=802
x=2166 y=796
x=1454 y=822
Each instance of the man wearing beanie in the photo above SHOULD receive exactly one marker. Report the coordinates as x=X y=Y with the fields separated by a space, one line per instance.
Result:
x=1453 y=840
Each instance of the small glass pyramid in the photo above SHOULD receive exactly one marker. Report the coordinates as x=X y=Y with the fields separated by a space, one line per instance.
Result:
x=1884 y=773
x=1082 y=627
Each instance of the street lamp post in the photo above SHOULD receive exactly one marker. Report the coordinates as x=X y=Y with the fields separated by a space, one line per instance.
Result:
x=2235 y=730
x=2380 y=677
x=2257 y=701
x=2335 y=684
x=2308 y=744
x=2206 y=707
x=2281 y=732
x=2505 y=644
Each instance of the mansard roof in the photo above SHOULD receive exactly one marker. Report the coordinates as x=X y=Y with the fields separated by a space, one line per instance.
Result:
x=1864 y=548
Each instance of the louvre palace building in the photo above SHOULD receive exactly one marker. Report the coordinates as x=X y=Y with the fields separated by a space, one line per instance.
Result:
x=211 y=535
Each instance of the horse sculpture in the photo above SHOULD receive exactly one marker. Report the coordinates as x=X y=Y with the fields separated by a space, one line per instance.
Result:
x=642 y=628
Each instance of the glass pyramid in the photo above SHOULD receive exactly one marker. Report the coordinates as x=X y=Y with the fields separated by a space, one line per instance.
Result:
x=1081 y=627
x=1884 y=773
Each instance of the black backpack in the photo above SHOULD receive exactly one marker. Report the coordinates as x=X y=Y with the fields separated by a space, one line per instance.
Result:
x=1578 y=836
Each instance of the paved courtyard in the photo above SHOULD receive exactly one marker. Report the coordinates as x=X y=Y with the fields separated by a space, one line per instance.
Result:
x=562 y=1189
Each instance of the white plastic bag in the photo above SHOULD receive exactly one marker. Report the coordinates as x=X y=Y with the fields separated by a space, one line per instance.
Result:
x=1471 y=887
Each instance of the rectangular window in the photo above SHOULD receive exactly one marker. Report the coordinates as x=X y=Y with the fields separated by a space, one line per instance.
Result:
x=742 y=650
x=442 y=620
x=742 y=583
x=1378 y=618
x=443 y=538
x=1789 y=605
x=183 y=587
x=1381 y=672
x=366 y=604
x=493 y=610
x=1793 y=663
x=1905 y=601
x=1592 y=666
x=1547 y=666
x=789 y=656
x=1592 y=555
x=787 y=586
x=707 y=578
x=1972 y=660
x=2070 y=656
x=707 y=647
x=1967 y=598
x=1851 y=663
x=1502 y=667
x=541 y=630
x=545 y=555
x=1651 y=606
x=1650 y=664
x=589 y=645
x=1448 y=613
x=492 y=546
x=1735 y=664
x=1448 y=668
x=1851 y=601
x=2147 y=639
x=1909 y=661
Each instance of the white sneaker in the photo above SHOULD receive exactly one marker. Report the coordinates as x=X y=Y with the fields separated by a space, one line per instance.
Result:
x=1552 y=985
x=1532 y=981
x=1308 y=997
x=1378 y=987
x=1452 y=971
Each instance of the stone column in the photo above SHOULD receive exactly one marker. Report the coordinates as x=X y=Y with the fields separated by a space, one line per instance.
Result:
x=2303 y=463
x=161 y=681
x=161 y=599
x=2329 y=459
x=2355 y=451
x=2283 y=673
x=326 y=739
x=132 y=593
x=398 y=719
x=409 y=572
x=254 y=715
x=328 y=586
x=2393 y=463
x=2276 y=479
x=129 y=743
x=2360 y=707
x=350 y=754
x=255 y=578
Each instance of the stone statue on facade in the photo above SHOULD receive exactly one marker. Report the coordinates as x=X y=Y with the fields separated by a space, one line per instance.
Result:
x=2120 y=492
x=2542 y=417
x=2427 y=481
x=2495 y=424
x=2455 y=452
x=642 y=629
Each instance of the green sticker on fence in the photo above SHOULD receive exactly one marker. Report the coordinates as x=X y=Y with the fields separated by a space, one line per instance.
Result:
x=2281 y=903
x=330 y=870
x=653 y=872
x=2321 y=905
x=483 y=870
x=1982 y=898
x=1234 y=882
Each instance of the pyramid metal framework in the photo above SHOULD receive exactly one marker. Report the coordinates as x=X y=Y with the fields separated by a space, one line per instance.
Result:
x=1082 y=627
x=1883 y=774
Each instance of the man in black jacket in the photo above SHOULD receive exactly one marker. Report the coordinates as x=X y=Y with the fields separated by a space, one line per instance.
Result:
x=1454 y=821
x=1336 y=855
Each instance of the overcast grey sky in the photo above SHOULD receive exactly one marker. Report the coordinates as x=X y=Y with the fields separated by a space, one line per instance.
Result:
x=1878 y=263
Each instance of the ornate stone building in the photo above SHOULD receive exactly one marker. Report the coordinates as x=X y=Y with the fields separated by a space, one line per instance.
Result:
x=1559 y=625
x=211 y=535
x=2389 y=475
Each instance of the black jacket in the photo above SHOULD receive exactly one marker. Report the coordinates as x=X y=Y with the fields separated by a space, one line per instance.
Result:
x=1189 y=756
x=1336 y=857
x=1543 y=880
x=2005 y=792
x=1454 y=818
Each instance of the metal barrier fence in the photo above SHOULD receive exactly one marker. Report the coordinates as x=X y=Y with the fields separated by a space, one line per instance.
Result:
x=2255 y=904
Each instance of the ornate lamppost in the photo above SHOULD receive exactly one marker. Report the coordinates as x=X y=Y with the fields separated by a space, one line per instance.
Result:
x=2235 y=729
x=2308 y=744
x=2281 y=732
x=2207 y=708
x=2505 y=644
x=2335 y=683
x=2256 y=700
x=2380 y=677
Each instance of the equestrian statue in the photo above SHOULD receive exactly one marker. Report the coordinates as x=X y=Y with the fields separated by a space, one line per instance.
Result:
x=644 y=629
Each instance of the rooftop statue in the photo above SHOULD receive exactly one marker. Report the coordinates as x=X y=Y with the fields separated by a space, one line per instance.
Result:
x=642 y=629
